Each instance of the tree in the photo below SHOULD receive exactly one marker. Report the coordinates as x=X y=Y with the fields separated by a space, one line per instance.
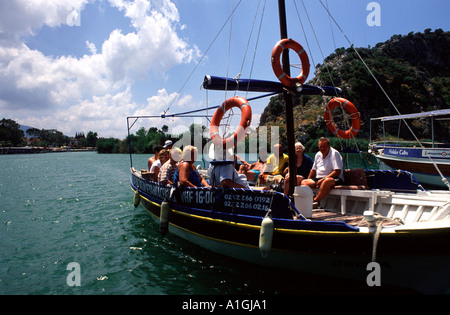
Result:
x=10 y=133
x=108 y=145
x=91 y=139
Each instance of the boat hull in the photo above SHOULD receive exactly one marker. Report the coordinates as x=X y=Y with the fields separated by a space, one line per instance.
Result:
x=411 y=259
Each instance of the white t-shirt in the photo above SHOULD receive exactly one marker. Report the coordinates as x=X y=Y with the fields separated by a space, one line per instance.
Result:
x=157 y=163
x=332 y=161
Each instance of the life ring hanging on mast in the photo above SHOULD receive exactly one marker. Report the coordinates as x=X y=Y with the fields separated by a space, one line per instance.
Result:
x=278 y=69
x=354 y=116
x=246 y=120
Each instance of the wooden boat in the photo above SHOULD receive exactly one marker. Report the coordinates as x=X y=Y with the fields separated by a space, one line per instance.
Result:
x=430 y=165
x=406 y=232
x=380 y=227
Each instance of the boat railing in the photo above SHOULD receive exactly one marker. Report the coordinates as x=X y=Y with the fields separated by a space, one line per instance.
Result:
x=408 y=144
x=241 y=201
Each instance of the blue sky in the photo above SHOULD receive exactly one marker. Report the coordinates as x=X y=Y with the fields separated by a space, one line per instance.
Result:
x=85 y=65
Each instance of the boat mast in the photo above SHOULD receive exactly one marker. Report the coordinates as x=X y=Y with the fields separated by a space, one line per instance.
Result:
x=288 y=102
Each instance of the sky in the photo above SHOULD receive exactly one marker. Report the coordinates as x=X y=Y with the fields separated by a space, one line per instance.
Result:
x=86 y=65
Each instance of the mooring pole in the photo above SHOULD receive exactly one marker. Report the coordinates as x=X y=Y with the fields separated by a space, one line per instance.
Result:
x=290 y=130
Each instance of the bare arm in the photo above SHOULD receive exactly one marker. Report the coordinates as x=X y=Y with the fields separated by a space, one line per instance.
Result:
x=184 y=170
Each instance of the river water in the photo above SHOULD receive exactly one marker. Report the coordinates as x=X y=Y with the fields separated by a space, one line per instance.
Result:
x=76 y=207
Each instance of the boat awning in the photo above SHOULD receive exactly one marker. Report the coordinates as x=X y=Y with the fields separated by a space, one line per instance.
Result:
x=222 y=84
x=441 y=112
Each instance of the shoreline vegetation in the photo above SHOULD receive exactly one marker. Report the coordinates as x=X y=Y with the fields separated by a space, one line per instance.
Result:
x=142 y=142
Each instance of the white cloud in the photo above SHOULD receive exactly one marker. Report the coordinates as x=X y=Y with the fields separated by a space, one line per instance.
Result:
x=31 y=80
x=157 y=104
x=23 y=17
x=155 y=46
x=104 y=114
x=94 y=91
x=91 y=47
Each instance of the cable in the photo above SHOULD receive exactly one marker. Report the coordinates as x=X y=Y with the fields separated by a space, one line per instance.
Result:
x=201 y=59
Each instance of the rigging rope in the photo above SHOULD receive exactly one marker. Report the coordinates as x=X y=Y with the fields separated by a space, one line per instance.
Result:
x=345 y=118
x=229 y=46
x=304 y=34
x=227 y=119
x=256 y=45
x=201 y=59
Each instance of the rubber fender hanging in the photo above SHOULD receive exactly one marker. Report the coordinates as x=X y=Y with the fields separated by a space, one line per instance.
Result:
x=164 y=217
x=266 y=236
x=136 y=198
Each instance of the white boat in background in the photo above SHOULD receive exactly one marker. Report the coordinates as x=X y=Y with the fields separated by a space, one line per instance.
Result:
x=429 y=162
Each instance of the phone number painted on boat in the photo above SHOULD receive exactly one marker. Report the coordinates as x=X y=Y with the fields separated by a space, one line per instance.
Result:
x=205 y=198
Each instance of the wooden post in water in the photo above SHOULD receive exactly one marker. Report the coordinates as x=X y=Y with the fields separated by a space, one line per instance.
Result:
x=290 y=131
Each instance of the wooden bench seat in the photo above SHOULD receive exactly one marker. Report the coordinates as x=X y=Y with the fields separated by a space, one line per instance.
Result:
x=355 y=185
x=354 y=179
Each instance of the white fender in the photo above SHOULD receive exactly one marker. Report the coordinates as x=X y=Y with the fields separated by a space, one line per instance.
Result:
x=136 y=198
x=265 y=236
x=164 y=217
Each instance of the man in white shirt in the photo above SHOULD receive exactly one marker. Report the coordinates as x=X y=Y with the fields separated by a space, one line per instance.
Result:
x=327 y=170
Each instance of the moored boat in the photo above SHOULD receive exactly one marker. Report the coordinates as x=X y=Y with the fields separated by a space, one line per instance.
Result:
x=403 y=232
x=429 y=162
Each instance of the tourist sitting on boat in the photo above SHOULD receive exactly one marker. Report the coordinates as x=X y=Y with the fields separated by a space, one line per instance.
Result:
x=167 y=171
x=327 y=171
x=252 y=171
x=275 y=168
x=221 y=170
x=155 y=157
x=186 y=174
x=156 y=166
x=168 y=145
x=303 y=166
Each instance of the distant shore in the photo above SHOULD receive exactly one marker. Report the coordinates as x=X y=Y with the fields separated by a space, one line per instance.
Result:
x=33 y=150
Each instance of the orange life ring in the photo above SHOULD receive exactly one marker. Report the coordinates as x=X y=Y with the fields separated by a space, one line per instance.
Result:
x=354 y=116
x=246 y=119
x=276 y=65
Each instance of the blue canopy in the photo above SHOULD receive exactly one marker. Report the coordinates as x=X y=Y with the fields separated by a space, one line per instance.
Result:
x=439 y=112
x=251 y=85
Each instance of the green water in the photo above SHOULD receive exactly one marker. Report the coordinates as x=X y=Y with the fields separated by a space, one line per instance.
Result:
x=60 y=208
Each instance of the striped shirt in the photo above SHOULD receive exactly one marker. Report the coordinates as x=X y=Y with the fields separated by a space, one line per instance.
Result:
x=167 y=173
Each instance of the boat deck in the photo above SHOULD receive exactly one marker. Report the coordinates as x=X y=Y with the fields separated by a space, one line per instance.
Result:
x=351 y=219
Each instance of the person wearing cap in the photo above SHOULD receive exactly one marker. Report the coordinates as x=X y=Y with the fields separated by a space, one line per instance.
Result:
x=168 y=145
